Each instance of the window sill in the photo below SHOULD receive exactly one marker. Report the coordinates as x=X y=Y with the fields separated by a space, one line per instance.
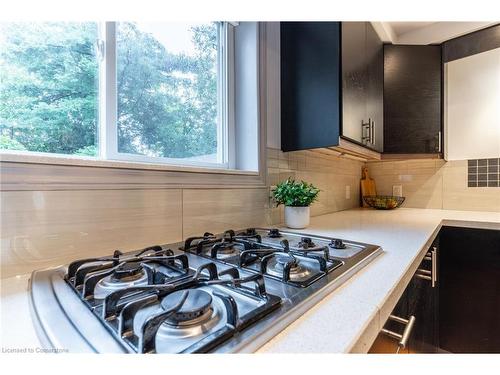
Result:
x=38 y=171
x=41 y=158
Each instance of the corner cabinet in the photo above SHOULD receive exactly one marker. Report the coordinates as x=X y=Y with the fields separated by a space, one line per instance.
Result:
x=412 y=99
x=331 y=85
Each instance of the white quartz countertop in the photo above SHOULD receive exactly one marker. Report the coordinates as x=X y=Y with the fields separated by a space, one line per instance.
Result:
x=348 y=319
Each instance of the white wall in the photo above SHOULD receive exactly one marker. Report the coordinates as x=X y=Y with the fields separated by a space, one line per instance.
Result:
x=472 y=107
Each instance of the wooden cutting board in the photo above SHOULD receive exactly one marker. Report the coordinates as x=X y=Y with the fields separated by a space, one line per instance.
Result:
x=367 y=185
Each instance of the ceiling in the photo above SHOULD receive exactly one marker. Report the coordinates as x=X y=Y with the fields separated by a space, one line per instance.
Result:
x=425 y=32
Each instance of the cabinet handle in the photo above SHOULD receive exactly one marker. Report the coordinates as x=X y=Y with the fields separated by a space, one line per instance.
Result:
x=424 y=277
x=366 y=128
x=372 y=132
x=432 y=274
x=403 y=338
x=434 y=266
x=439 y=141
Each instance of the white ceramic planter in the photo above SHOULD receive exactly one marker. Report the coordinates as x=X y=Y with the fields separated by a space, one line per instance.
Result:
x=297 y=217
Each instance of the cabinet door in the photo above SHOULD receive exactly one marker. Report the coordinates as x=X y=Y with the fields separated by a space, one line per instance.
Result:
x=469 y=291
x=412 y=99
x=354 y=79
x=310 y=85
x=423 y=304
x=375 y=88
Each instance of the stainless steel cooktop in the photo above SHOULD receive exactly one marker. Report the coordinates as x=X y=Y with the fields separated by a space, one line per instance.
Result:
x=230 y=292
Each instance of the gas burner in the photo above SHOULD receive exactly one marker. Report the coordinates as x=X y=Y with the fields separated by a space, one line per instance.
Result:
x=337 y=244
x=274 y=233
x=276 y=267
x=129 y=271
x=125 y=276
x=226 y=249
x=196 y=309
x=248 y=232
x=306 y=243
x=191 y=316
x=95 y=278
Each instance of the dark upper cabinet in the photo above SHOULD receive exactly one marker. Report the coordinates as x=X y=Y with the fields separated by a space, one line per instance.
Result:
x=310 y=85
x=375 y=97
x=331 y=84
x=362 y=84
x=412 y=99
x=354 y=79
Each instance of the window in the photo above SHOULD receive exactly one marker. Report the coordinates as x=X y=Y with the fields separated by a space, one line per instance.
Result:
x=147 y=92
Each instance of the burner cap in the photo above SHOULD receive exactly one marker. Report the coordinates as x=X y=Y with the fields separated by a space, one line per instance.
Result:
x=274 y=233
x=250 y=232
x=284 y=259
x=297 y=269
x=306 y=243
x=127 y=269
x=337 y=244
x=197 y=303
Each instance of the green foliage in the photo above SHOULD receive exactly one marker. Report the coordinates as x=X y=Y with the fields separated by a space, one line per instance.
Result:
x=48 y=85
x=295 y=194
x=87 y=151
x=167 y=103
x=10 y=144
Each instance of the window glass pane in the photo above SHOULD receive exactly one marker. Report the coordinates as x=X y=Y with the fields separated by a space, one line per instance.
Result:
x=167 y=90
x=48 y=87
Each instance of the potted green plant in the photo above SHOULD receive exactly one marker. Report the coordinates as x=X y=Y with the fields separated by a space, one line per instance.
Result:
x=296 y=196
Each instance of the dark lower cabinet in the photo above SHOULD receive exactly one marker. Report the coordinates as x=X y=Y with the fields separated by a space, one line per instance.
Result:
x=454 y=297
x=419 y=303
x=423 y=299
x=469 y=294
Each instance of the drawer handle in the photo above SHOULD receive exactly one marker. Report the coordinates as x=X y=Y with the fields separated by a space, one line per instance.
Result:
x=403 y=338
x=429 y=275
x=424 y=277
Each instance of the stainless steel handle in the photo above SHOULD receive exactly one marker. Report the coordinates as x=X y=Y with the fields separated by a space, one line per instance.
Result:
x=432 y=274
x=434 y=266
x=403 y=338
x=372 y=132
x=424 y=277
x=439 y=141
x=366 y=128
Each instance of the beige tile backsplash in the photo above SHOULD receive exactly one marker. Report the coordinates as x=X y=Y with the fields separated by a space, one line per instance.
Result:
x=433 y=184
x=330 y=173
x=216 y=210
x=46 y=228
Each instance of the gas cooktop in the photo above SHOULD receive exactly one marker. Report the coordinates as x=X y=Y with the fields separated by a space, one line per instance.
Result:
x=230 y=292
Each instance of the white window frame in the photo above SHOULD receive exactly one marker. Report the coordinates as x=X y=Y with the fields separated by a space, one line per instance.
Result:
x=40 y=171
x=108 y=106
